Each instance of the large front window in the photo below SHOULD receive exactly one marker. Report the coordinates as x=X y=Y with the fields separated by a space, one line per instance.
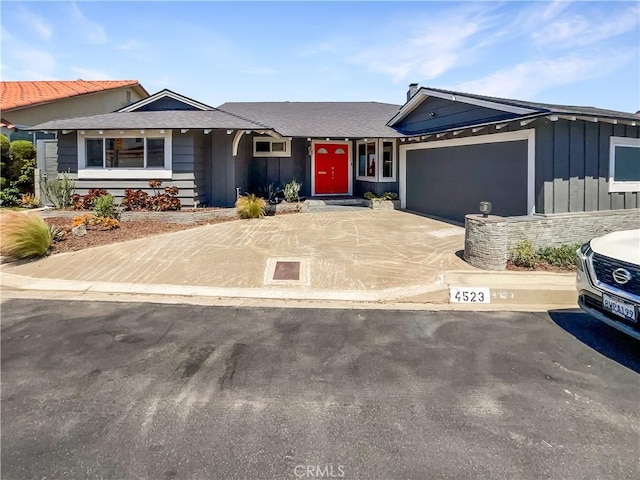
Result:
x=376 y=160
x=124 y=154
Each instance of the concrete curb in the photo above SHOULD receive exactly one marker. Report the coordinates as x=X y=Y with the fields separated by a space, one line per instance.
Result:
x=509 y=290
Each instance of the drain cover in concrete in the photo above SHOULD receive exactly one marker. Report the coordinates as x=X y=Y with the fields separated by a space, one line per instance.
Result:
x=287 y=271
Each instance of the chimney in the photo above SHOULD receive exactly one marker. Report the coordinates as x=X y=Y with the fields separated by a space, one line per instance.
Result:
x=413 y=89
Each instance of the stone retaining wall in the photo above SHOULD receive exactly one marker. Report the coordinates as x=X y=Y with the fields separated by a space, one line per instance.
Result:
x=488 y=240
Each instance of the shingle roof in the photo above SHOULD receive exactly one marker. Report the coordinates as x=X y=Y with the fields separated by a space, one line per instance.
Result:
x=546 y=107
x=162 y=119
x=22 y=94
x=320 y=119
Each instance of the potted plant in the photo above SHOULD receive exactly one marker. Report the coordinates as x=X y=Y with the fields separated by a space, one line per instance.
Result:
x=387 y=201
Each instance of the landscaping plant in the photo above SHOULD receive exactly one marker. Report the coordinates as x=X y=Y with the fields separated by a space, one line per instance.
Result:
x=251 y=206
x=60 y=190
x=29 y=200
x=18 y=163
x=104 y=206
x=85 y=202
x=292 y=191
x=89 y=220
x=159 y=202
x=24 y=235
x=563 y=257
x=523 y=254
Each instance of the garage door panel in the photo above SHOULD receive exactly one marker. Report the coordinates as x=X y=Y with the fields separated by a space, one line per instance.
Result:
x=450 y=182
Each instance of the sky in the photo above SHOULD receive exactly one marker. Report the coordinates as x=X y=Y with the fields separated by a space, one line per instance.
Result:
x=571 y=53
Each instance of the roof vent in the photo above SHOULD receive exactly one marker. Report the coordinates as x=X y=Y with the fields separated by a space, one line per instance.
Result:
x=413 y=89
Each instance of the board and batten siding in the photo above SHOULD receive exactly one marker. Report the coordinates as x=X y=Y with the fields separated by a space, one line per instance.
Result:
x=572 y=166
x=278 y=171
x=182 y=176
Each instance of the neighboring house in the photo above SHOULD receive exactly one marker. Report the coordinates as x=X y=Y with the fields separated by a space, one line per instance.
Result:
x=25 y=104
x=442 y=151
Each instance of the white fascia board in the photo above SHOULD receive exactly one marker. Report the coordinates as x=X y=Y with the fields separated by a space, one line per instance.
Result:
x=425 y=93
x=162 y=94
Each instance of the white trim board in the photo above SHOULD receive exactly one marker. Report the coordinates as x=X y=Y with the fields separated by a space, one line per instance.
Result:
x=621 y=186
x=529 y=135
x=313 y=165
x=162 y=94
x=425 y=93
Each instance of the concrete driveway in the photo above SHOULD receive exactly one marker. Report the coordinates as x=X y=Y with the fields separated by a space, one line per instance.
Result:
x=360 y=254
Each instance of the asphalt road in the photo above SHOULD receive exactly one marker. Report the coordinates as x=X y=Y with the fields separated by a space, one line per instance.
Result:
x=132 y=390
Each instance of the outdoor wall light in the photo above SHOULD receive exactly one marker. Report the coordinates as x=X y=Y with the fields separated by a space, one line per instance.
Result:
x=432 y=114
x=485 y=208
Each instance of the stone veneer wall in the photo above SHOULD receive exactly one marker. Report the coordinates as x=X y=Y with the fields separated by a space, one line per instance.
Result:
x=488 y=240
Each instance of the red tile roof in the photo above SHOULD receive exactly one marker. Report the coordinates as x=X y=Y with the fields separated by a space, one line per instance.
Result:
x=22 y=94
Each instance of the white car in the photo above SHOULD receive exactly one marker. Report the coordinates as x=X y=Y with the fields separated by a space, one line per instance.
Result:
x=608 y=280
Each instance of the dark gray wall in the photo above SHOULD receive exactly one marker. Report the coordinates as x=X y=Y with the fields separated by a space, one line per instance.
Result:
x=572 y=166
x=223 y=171
x=202 y=167
x=451 y=182
x=448 y=114
x=279 y=170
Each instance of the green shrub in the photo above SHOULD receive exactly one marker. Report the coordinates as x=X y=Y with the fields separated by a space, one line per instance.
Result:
x=60 y=190
x=251 y=206
x=23 y=164
x=25 y=235
x=292 y=191
x=370 y=196
x=104 y=206
x=9 y=196
x=562 y=257
x=389 y=196
x=523 y=254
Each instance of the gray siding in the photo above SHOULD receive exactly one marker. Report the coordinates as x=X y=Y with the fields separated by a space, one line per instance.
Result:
x=165 y=103
x=279 y=171
x=202 y=167
x=448 y=114
x=572 y=166
x=223 y=172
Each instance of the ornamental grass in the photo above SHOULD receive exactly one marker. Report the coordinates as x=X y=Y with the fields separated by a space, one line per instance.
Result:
x=24 y=235
x=251 y=206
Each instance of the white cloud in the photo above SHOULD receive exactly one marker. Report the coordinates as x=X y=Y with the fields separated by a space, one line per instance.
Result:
x=38 y=25
x=420 y=48
x=580 y=30
x=92 y=31
x=527 y=79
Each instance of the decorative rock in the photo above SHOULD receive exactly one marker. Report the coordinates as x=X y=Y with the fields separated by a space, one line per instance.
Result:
x=80 y=230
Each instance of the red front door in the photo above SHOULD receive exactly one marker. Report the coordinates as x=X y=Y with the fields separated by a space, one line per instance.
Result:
x=331 y=168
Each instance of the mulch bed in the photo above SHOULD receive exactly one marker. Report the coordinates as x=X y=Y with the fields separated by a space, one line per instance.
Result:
x=129 y=230
x=539 y=267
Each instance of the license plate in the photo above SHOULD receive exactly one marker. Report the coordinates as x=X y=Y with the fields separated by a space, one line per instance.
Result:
x=620 y=308
x=469 y=295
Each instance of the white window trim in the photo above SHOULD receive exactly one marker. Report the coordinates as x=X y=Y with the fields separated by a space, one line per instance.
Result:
x=379 y=143
x=271 y=140
x=313 y=165
x=621 y=186
x=164 y=173
x=529 y=135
